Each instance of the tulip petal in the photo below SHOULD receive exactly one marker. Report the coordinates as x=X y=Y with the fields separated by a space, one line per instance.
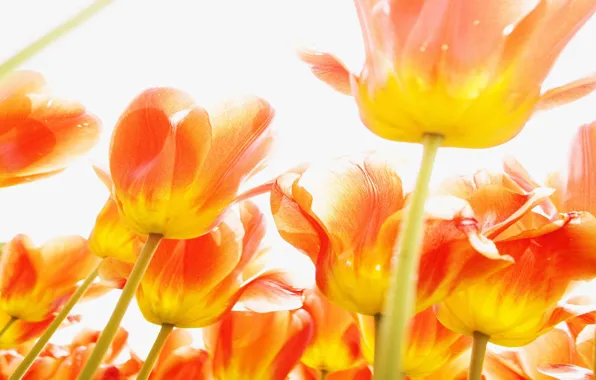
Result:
x=185 y=363
x=328 y=69
x=567 y=372
x=18 y=268
x=177 y=339
x=580 y=190
x=559 y=96
x=555 y=346
x=104 y=176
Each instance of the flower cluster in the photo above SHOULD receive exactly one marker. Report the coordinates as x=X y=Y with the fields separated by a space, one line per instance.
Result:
x=409 y=283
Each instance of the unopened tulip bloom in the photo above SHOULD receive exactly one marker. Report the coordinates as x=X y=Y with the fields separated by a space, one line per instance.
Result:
x=179 y=361
x=335 y=344
x=36 y=281
x=518 y=303
x=471 y=72
x=176 y=168
x=248 y=345
x=40 y=134
x=345 y=215
x=192 y=283
x=430 y=344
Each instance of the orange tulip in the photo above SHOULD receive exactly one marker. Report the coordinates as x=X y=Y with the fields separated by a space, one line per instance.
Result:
x=36 y=281
x=39 y=133
x=518 y=303
x=192 y=283
x=65 y=362
x=176 y=169
x=21 y=331
x=302 y=372
x=335 y=344
x=449 y=67
x=430 y=345
x=179 y=361
x=248 y=345
x=345 y=216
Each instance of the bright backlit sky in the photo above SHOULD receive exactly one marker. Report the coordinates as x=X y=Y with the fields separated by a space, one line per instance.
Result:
x=219 y=48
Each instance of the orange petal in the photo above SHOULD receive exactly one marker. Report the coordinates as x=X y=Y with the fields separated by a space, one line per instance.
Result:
x=257 y=345
x=580 y=189
x=177 y=338
x=184 y=284
x=335 y=344
x=567 y=372
x=242 y=139
x=18 y=270
x=104 y=176
x=555 y=346
x=328 y=69
x=184 y=363
x=158 y=149
x=114 y=272
x=585 y=345
x=21 y=331
x=559 y=96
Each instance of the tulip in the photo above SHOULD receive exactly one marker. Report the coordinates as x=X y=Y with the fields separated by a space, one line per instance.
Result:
x=517 y=304
x=248 y=345
x=40 y=134
x=192 y=283
x=36 y=281
x=471 y=72
x=345 y=217
x=335 y=344
x=179 y=361
x=176 y=168
x=430 y=345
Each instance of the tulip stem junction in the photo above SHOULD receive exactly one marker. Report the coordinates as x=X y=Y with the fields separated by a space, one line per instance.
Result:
x=323 y=375
x=56 y=323
x=399 y=304
x=52 y=36
x=478 y=353
x=160 y=341
x=10 y=322
x=128 y=292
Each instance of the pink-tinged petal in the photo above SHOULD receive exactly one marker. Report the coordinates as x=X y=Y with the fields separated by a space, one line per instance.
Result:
x=559 y=96
x=556 y=346
x=328 y=69
x=585 y=345
x=567 y=372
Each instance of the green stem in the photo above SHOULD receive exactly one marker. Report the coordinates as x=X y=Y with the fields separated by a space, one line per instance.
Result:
x=52 y=36
x=323 y=375
x=399 y=304
x=45 y=338
x=478 y=353
x=10 y=322
x=594 y=353
x=128 y=292
x=160 y=341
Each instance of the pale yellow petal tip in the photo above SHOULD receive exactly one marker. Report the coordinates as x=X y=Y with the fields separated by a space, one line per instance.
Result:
x=487 y=248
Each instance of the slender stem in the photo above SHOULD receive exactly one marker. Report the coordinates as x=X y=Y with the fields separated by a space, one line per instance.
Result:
x=52 y=36
x=594 y=353
x=10 y=322
x=45 y=337
x=399 y=303
x=323 y=375
x=378 y=321
x=128 y=292
x=160 y=341
x=478 y=353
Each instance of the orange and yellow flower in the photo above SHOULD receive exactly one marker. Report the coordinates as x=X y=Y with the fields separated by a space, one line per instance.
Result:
x=179 y=361
x=39 y=133
x=345 y=216
x=176 y=169
x=58 y=362
x=335 y=344
x=36 y=281
x=302 y=372
x=20 y=331
x=192 y=283
x=470 y=71
x=520 y=302
x=430 y=345
x=248 y=345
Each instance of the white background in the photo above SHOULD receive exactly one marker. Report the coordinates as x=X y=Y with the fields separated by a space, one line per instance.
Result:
x=219 y=48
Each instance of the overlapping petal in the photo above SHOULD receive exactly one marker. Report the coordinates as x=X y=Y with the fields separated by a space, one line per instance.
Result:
x=40 y=134
x=176 y=169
